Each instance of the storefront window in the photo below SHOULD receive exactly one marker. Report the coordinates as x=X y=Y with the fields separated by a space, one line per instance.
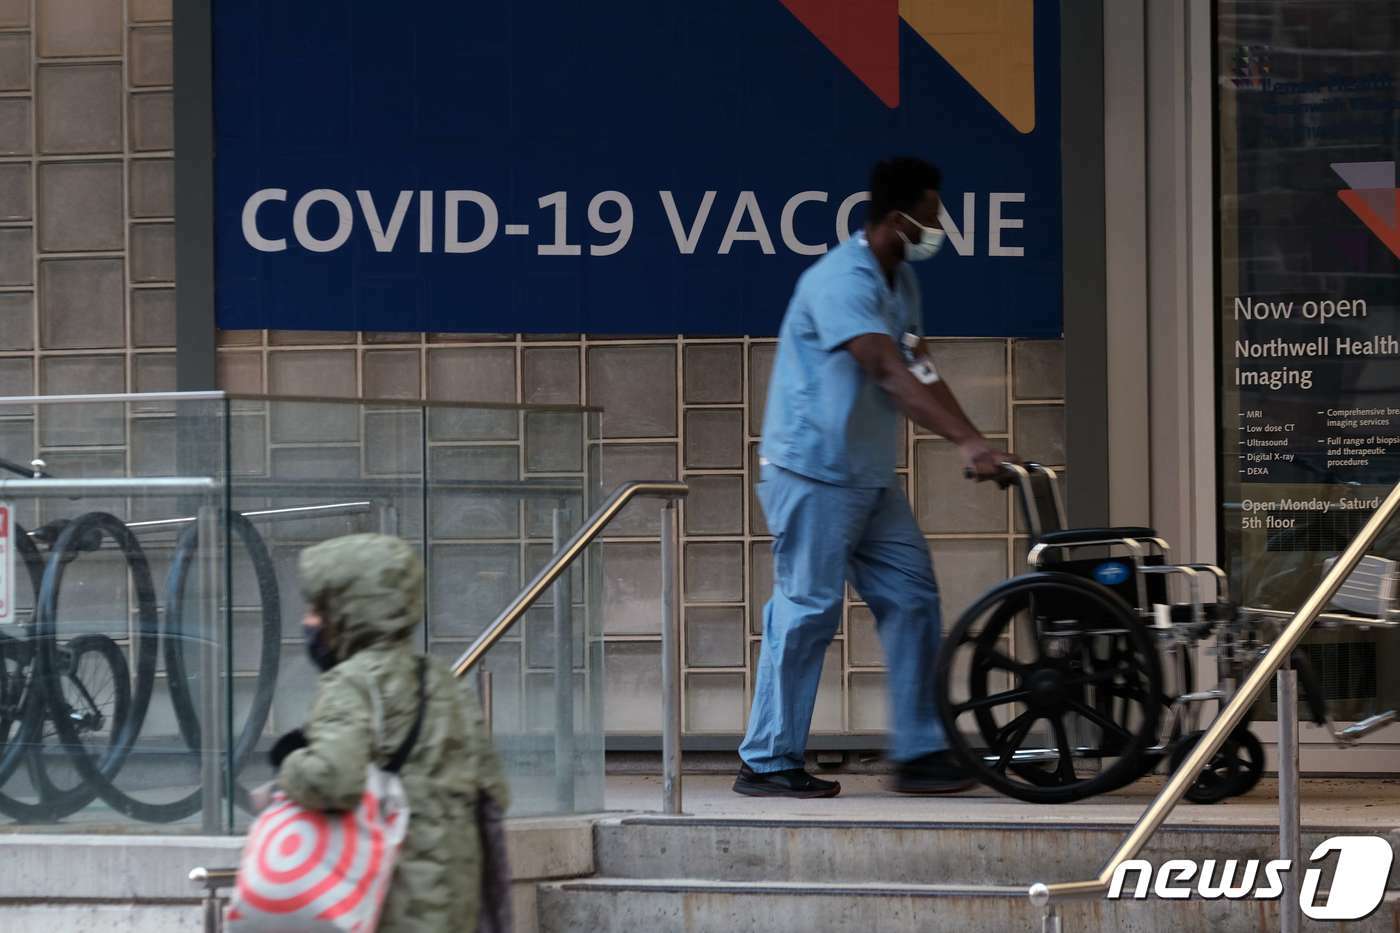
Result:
x=1309 y=339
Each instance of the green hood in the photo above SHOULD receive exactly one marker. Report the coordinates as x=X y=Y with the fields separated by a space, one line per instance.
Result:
x=369 y=586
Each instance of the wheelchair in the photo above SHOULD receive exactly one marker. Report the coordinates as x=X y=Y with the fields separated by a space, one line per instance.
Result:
x=1077 y=677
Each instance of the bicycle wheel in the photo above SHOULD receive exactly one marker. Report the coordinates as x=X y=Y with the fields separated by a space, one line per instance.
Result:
x=99 y=772
x=175 y=639
x=18 y=703
x=22 y=706
x=94 y=697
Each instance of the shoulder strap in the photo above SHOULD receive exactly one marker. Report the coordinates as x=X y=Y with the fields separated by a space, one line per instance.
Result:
x=406 y=749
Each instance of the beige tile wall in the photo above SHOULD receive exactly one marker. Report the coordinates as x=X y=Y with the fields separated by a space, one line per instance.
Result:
x=87 y=304
x=692 y=408
x=86 y=196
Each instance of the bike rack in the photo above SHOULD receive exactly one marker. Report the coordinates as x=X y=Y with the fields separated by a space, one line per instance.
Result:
x=210 y=492
x=374 y=496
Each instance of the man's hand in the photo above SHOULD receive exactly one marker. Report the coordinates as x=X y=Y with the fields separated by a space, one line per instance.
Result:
x=982 y=460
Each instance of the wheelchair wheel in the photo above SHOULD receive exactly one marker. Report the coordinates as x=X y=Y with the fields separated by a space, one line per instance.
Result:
x=1231 y=772
x=1039 y=655
x=1184 y=679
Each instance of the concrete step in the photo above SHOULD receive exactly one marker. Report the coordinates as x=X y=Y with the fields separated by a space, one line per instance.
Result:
x=68 y=883
x=617 y=905
x=907 y=853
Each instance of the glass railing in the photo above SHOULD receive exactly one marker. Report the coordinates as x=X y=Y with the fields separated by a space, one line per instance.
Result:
x=153 y=651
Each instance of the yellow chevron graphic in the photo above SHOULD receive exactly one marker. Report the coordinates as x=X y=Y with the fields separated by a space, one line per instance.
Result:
x=991 y=43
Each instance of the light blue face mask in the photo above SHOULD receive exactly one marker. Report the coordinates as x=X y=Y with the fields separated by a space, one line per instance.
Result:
x=930 y=241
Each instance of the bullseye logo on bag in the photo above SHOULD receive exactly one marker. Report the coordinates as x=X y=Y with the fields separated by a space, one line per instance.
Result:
x=1111 y=573
x=303 y=869
x=1357 y=886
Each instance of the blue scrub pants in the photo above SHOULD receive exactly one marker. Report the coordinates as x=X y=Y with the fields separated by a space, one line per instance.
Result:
x=822 y=534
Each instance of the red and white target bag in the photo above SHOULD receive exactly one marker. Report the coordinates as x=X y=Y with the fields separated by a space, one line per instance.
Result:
x=305 y=870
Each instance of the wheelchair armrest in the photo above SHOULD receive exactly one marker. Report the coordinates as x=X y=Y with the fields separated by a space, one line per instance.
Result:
x=1083 y=535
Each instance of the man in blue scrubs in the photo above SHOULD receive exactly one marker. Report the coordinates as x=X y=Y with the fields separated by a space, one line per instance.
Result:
x=849 y=361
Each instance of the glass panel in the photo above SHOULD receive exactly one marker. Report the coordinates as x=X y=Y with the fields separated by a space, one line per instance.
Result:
x=305 y=472
x=177 y=637
x=1309 y=367
x=113 y=670
x=495 y=522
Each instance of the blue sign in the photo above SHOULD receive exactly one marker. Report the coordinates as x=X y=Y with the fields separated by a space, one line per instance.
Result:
x=626 y=167
x=1111 y=573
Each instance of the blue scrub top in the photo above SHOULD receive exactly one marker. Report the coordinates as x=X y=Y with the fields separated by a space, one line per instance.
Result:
x=825 y=419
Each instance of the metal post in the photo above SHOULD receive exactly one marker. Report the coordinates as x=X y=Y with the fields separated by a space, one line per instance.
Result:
x=213 y=912
x=563 y=675
x=388 y=519
x=1289 y=811
x=1050 y=920
x=483 y=696
x=670 y=668
x=212 y=681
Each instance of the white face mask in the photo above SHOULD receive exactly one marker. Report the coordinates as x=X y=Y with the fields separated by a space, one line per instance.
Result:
x=930 y=241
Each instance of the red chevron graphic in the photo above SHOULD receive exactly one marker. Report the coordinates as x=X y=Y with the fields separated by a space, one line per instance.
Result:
x=863 y=34
x=1386 y=228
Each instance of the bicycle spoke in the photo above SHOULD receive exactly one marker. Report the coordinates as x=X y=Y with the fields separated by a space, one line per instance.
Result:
x=82 y=689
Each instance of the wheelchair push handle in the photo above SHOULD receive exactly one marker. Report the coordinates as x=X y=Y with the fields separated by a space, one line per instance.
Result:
x=1005 y=477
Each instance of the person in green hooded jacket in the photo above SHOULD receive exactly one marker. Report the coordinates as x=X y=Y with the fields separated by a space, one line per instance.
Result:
x=364 y=598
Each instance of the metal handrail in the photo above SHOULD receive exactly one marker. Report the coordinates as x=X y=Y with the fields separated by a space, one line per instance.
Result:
x=1042 y=895
x=565 y=555
x=115 y=486
x=213 y=880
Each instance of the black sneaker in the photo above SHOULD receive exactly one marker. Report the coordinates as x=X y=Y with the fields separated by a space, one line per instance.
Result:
x=791 y=783
x=935 y=773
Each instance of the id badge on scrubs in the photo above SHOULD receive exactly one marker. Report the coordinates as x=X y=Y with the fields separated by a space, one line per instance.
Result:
x=918 y=362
